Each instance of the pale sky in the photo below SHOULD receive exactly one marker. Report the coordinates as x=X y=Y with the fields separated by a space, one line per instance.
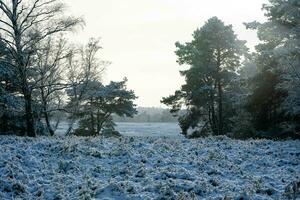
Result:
x=138 y=36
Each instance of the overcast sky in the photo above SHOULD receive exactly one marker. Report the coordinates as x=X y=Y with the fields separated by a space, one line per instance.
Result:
x=138 y=36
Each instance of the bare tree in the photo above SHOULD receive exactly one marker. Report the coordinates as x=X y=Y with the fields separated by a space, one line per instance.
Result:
x=49 y=62
x=23 y=24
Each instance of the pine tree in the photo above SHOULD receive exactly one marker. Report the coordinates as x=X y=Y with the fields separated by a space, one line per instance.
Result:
x=213 y=55
x=98 y=104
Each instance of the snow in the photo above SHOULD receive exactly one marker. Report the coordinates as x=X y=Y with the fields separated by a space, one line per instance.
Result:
x=147 y=168
x=136 y=129
x=149 y=129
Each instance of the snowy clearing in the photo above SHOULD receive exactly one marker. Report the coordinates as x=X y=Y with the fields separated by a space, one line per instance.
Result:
x=147 y=168
x=157 y=129
x=148 y=129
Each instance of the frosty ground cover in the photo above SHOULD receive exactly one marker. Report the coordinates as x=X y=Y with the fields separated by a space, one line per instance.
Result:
x=147 y=168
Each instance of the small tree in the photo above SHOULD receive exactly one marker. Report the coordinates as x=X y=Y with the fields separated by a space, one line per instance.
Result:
x=99 y=103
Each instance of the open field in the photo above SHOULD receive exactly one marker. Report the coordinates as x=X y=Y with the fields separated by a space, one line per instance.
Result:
x=137 y=129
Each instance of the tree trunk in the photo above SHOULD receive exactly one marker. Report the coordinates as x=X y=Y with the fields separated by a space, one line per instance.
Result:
x=21 y=65
x=213 y=114
x=220 y=94
x=28 y=113
x=46 y=116
x=220 y=101
x=93 y=124
x=27 y=99
x=48 y=124
x=105 y=117
x=98 y=122
x=92 y=119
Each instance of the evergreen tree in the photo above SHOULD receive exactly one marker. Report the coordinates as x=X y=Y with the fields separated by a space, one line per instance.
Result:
x=214 y=56
x=98 y=104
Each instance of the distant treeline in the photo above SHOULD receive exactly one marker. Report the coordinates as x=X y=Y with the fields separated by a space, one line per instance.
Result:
x=151 y=114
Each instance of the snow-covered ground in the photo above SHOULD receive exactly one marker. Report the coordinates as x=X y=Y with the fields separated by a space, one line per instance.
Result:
x=147 y=168
x=136 y=129
x=149 y=129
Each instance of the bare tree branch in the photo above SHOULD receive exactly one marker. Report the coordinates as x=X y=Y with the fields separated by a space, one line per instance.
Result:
x=7 y=24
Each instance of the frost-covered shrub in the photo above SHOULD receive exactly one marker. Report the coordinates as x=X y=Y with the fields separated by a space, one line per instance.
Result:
x=65 y=166
x=292 y=191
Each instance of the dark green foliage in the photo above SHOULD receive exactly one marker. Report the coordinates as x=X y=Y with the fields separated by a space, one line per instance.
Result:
x=213 y=56
x=264 y=103
x=98 y=103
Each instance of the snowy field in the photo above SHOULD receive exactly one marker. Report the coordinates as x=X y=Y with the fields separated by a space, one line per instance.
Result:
x=147 y=168
x=149 y=129
x=138 y=129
